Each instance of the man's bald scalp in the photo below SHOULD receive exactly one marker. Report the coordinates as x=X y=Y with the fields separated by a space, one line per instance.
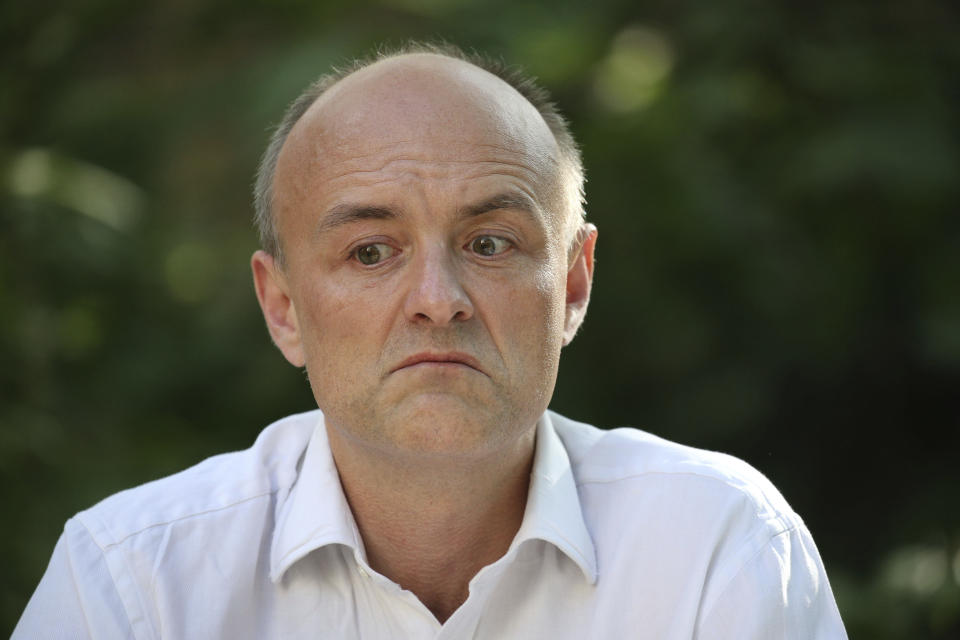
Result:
x=570 y=180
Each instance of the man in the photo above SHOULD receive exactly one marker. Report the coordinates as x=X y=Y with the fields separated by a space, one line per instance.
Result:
x=425 y=259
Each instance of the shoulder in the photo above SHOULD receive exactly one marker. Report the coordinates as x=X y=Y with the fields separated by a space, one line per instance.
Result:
x=698 y=536
x=214 y=487
x=694 y=519
x=620 y=462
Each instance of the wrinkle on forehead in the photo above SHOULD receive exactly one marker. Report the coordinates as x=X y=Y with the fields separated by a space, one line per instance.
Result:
x=419 y=117
x=390 y=169
x=426 y=107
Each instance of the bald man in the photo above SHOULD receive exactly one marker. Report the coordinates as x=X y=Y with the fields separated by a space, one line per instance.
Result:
x=425 y=258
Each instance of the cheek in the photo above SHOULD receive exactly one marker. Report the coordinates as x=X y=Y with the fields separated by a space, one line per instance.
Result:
x=340 y=334
x=323 y=312
x=334 y=326
x=537 y=338
x=552 y=293
x=536 y=314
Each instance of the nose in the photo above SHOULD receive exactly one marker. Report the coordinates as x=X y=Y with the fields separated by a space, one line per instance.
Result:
x=436 y=295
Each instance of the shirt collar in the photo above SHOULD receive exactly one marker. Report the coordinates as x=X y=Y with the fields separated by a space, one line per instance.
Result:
x=553 y=511
x=316 y=513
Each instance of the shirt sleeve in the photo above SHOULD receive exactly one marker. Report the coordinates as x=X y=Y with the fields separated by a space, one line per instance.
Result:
x=780 y=593
x=77 y=598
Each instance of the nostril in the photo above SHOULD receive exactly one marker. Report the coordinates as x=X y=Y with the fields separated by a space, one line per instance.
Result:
x=436 y=294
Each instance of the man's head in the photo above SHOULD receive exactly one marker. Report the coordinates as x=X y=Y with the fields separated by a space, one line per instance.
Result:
x=570 y=175
x=427 y=279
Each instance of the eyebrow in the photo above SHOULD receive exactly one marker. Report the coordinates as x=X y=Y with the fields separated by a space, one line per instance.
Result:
x=517 y=201
x=346 y=213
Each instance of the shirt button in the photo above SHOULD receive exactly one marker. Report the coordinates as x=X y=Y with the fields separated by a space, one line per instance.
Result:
x=363 y=572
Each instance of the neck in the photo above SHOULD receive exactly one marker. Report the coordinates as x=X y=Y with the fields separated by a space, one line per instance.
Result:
x=430 y=526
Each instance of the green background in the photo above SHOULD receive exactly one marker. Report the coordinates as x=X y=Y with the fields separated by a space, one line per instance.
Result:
x=776 y=187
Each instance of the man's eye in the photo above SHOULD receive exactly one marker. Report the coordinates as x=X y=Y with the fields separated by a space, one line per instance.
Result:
x=489 y=245
x=370 y=254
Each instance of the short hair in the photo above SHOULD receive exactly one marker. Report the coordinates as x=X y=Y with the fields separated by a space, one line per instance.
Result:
x=571 y=174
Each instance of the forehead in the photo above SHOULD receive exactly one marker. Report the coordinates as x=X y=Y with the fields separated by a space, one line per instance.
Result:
x=441 y=115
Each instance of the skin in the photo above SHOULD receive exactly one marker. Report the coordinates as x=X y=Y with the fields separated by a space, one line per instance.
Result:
x=433 y=363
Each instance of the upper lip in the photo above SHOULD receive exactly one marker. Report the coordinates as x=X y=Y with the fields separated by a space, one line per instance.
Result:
x=439 y=356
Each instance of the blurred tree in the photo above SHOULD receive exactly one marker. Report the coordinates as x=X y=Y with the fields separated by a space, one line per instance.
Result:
x=776 y=189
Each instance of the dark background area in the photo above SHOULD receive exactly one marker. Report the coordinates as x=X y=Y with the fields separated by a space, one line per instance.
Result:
x=776 y=187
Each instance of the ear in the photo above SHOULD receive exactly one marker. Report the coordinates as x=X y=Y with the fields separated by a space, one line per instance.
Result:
x=579 y=280
x=273 y=293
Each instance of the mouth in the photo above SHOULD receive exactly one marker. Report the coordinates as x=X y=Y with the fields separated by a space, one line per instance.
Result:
x=439 y=359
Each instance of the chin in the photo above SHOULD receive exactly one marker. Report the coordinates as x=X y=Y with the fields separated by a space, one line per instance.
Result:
x=447 y=426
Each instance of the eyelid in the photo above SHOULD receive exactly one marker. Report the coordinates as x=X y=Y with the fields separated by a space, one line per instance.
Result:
x=510 y=242
x=366 y=241
x=370 y=242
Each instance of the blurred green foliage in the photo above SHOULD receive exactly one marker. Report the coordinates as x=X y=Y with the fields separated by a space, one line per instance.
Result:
x=776 y=187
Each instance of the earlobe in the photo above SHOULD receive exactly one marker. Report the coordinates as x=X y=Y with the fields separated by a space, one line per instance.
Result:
x=579 y=280
x=278 y=308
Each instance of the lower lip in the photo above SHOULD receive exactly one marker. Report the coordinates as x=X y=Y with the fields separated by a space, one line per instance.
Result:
x=435 y=364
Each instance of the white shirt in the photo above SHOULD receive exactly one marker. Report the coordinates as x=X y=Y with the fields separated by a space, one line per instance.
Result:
x=625 y=535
